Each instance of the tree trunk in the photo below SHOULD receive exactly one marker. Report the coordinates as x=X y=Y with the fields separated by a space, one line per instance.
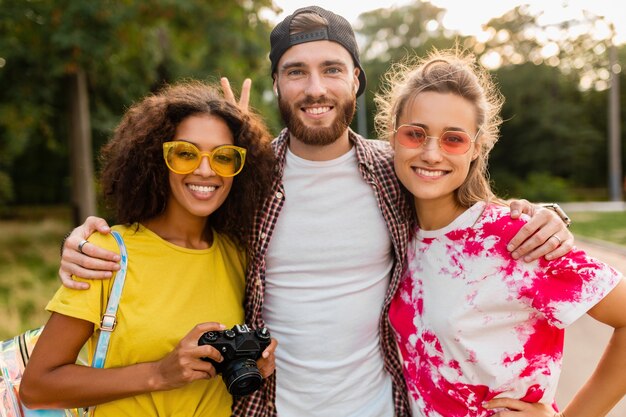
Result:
x=615 y=150
x=81 y=154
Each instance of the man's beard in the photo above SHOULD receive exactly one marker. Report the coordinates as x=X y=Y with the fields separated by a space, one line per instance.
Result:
x=317 y=136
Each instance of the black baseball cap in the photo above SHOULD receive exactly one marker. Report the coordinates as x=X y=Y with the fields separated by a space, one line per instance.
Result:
x=338 y=30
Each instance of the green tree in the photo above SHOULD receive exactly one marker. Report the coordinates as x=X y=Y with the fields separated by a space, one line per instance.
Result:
x=554 y=84
x=548 y=77
x=545 y=129
x=576 y=46
x=595 y=103
x=127 y=49
x=389 y=35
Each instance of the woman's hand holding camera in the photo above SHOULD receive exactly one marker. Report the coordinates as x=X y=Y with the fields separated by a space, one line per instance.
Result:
x=184 y=364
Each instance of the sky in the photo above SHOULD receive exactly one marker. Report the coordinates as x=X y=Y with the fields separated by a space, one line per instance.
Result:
x=467 y=17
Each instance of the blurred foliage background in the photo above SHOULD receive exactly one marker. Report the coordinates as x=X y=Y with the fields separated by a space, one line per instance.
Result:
x=555 y=80
x=553 y=145
x=127 y=49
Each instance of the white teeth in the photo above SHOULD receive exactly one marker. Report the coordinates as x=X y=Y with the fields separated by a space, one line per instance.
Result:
x=317 y=110
x=202 y=188
x=431 y=174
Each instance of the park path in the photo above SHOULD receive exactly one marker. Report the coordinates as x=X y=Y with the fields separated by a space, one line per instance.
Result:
x=585 y=340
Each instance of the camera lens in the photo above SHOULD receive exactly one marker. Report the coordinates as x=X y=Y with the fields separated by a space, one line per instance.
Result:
x=242 y=377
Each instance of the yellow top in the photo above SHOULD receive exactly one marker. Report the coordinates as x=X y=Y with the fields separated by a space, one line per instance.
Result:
x=168 y=290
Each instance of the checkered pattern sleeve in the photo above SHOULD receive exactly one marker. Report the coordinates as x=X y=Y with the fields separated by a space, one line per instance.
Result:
x=261 y=402
x=376 y=166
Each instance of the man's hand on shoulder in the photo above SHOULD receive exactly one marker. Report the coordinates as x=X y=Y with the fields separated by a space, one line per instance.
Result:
x=84 y=259
x=546 y=233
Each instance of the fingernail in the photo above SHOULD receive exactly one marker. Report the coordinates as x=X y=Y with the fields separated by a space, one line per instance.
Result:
x=515 y=255
x=548 y=257
x=527 y=258
x=515 y=212
x=510 y=248
x=222 y=326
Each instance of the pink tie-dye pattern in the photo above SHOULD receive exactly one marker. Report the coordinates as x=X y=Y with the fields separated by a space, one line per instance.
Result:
x=567 y=280
x=440 y=395
x=467 y=238
x=403 y=309
x=434 y=377
x=504 y=229
x=543 y=345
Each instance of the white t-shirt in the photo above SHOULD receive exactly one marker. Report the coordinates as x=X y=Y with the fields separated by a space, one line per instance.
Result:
x=328 y=268
x=474 y=324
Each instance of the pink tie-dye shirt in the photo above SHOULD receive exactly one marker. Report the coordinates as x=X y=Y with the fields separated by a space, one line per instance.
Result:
x=473 y=323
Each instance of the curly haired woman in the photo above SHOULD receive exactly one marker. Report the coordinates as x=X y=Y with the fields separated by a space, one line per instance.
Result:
x=182 y=175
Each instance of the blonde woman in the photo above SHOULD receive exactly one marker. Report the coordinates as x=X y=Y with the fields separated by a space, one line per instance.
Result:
x=480 y=333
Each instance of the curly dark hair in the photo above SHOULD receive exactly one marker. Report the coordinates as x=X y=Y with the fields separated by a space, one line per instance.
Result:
x=134 y=177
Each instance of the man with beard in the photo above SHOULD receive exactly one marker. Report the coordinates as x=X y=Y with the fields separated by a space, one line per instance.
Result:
x=328 y=243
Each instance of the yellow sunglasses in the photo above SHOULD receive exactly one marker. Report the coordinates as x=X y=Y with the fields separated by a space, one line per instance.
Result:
x=183 y=158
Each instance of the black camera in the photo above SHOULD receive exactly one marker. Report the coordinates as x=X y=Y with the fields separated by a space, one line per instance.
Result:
x=240 y=347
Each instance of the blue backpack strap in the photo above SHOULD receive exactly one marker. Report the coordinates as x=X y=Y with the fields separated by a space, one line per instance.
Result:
x=107 y=325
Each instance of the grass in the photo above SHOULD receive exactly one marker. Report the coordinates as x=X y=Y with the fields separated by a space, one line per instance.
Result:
x=29 y=255
x=29 y=259
x=609 y=226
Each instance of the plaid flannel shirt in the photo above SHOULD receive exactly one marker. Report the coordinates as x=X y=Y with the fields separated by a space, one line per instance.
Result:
x=376 y=168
